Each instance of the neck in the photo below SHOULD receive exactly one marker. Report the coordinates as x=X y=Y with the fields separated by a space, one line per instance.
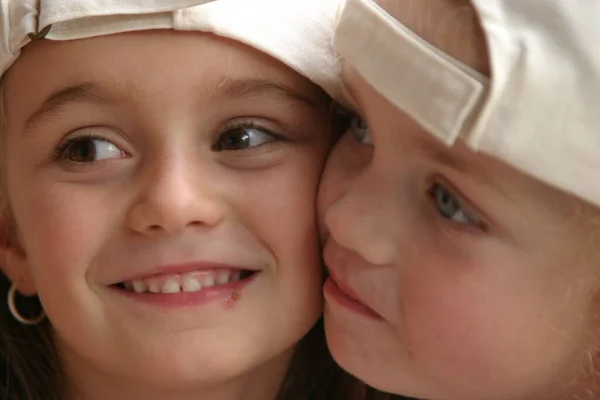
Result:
x=262 y=383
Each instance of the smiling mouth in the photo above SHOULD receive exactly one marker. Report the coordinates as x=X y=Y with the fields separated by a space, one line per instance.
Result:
x=191 y=282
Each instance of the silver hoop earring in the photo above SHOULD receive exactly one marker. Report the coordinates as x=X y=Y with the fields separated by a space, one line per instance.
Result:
x=16 y=314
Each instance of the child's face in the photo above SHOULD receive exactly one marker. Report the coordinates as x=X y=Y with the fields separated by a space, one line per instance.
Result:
x=182 y=155
x=473 y=281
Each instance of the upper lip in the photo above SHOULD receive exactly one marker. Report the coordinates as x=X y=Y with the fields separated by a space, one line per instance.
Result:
x=173 y=269
x=330 y=255
x=343 y=286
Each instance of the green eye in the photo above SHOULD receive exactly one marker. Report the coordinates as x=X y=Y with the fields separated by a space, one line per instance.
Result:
x=449 y=207
x=360 y=130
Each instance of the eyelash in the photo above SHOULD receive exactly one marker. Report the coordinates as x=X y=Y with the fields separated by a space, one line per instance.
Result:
x=351 y=116
x=474 y=221
x=249 y=125
x=58 y=154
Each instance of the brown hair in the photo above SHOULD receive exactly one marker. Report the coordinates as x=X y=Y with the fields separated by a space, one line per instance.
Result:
x=30 y=367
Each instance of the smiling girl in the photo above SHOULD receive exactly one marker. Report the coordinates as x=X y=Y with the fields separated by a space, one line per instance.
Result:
x=158 y=199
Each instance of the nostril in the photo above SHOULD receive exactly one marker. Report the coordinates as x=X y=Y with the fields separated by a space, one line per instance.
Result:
x=154 y=227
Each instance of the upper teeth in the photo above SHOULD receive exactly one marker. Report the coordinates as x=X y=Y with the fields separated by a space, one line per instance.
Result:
x=190 y=282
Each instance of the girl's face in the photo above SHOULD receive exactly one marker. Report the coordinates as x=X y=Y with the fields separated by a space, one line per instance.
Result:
x=162 y=187
x=453 y=275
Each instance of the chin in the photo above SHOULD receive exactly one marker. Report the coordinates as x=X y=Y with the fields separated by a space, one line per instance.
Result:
x=182 y=375
x=352 y=352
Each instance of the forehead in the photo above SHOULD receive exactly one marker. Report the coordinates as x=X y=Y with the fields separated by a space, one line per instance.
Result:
x=144 y=54
x=450 y=25
x=156 y=66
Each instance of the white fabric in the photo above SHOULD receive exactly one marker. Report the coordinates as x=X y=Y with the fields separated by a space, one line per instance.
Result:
x=538 y=113
x=298 y=33
x=438 y=92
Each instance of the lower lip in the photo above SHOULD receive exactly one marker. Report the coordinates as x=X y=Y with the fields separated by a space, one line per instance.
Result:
x=227 y=294
x=335 y=294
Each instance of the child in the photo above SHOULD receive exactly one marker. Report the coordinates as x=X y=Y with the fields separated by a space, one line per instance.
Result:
x=158 y=198
x=464 y=261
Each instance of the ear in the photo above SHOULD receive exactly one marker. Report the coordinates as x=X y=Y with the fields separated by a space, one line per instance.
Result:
x=13 y=260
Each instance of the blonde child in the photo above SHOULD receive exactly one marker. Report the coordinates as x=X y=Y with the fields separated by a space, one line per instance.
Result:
x=160 y=161
x=460 y=212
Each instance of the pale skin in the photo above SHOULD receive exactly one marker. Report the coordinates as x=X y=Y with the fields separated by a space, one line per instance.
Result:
x=159 y=193
x=482 y=283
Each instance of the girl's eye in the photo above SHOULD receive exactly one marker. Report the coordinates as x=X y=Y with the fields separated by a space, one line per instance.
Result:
x=449 y=207
x=88 y=149
x=242 y=137
x=360 y=130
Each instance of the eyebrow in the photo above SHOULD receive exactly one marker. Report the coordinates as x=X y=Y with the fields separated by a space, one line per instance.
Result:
x=459 y=165
x=101 y=93
x=443 y=158
x=88 y=92
x=236 y=87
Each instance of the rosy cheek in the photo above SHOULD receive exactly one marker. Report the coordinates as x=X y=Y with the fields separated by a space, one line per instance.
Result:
x=57 y=219
x=454 y=326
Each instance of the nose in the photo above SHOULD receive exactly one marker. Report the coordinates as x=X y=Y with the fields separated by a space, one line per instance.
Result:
x=365 y=218
x=174 y=195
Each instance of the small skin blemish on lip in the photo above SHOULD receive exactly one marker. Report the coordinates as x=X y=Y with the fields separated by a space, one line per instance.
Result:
x=232 y=299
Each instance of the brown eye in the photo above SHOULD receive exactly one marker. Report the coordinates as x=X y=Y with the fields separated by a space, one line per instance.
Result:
x=235 y=139
x=89 y=149
x=241 y=138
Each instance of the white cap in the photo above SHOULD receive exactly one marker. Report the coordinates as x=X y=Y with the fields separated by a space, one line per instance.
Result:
x=540 y=110
x=298 y=33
